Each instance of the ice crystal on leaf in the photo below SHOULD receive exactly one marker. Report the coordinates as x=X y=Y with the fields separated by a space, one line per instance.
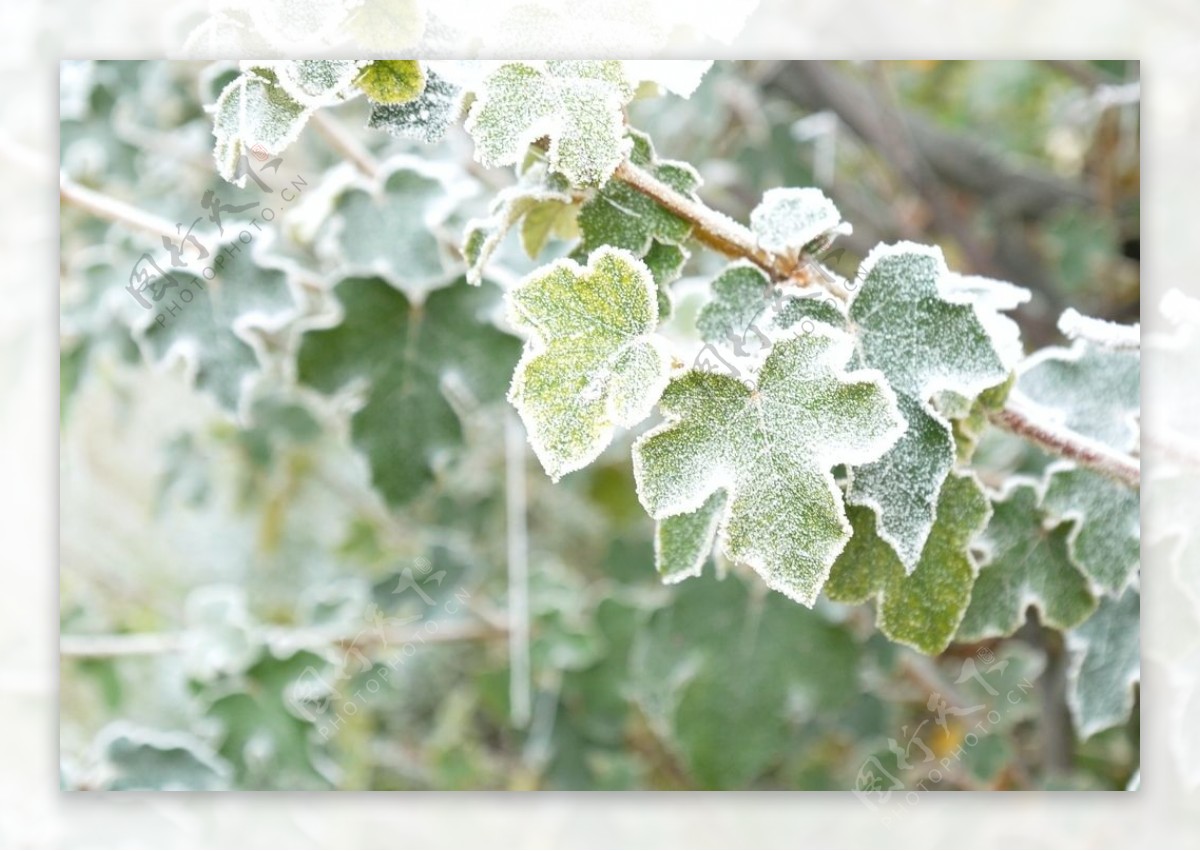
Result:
x=576 y=103
x=593 y=361
x=924 y=344
x=772 y=449
x=254 y=112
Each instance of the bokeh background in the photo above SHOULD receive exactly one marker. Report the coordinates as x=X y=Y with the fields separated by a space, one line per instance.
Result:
x=240 y=609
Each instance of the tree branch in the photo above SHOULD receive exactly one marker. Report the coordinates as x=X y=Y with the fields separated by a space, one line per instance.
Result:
x=112 y=210
x=1069 y=444
x=164 y=643
x=723 y=234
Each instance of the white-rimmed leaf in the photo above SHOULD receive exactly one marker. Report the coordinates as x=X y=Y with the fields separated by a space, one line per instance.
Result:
x=1105 y=664
x=593 y=361
x=1106 y=538
x=772 y=449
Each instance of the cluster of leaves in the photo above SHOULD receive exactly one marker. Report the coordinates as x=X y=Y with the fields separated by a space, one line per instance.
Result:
x=837 y=450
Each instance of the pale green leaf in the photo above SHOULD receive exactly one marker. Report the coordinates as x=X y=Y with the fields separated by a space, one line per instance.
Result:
x=789 y=220
x=741 y=294
x=922 y=609
x=389 y=227
x=410 y=360
x=593 y=361
x=1026 y=565
x=575 y=103
x=424 y=118
x=1088 y=389
x=392 y=81
x=216 y=325
x=1106 y=537
x=1105 y=665
x=536 y=188
x=254 y=111
x=924 y=344
x=313 y=82
x=136 y=759
x=772 y=448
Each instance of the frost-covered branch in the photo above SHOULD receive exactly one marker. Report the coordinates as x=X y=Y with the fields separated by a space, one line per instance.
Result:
x=163 y=643
x=719 y=232
x=1070 y=444
x=344 y=143
x=110 y=209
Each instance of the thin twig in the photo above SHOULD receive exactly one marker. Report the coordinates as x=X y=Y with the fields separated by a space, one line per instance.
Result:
x=112 y=210
x=720 y=232
x=1069 y=444
x=163 y=643
x=341 y=141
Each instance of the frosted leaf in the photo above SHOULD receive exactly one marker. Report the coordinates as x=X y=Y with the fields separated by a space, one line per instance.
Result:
x=218 y=332
x=789 y=219
x=1076 y=326
x=924 y=344
x=740 y=295
x=1087 y=389
x=665 y=262
x=991 y=299
x=679 y=76
x=389 y=227
x=1105 y=665
x=312 y=82
x=576 y=103
x=404 y=358
x=924 y=609
x=482 y=236
x=254 y=111
x=138 y=759
x=772 y=449
x=392 y=81
x=425 y=118
x=622 y=216
x=1105 y=541
x=1027 y=565
x=592 y=362
x=683 y=543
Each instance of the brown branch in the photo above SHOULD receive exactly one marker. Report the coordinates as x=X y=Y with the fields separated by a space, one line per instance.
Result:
x=721 y=233
x=1069 y=444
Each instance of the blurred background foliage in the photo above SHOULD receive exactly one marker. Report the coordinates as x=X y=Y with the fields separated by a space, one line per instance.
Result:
x=242 y=609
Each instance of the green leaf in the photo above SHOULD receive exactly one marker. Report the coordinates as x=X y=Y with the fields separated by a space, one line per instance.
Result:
x=722 y=675
x=1105 y=540
x=593 y=361
x=136 y=759
x=683 y=543
x=424 y=118
x=412 y=360
x=1088 y=389
x=536 y=189
x=268 y=744
x=389 y=228
x=922 y=609
x=216 y=326
x=1027 y=565
x=621 y=216
x=392 y=81
x=1105 y=665
x=740 y=295
x=924 y=344
x=772 y=448
x=576 y=103
x=788 y=221
x=313 y=82
x=254 y=111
